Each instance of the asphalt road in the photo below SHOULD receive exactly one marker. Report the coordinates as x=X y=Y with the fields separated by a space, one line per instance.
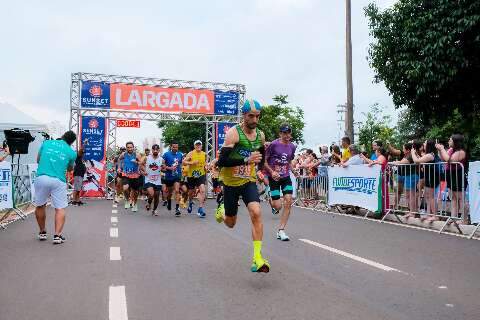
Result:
x=334 y=267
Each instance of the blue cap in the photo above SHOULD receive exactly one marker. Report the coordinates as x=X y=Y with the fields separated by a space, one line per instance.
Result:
x=251 y=105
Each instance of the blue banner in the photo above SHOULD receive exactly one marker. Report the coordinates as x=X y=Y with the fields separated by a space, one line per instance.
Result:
x=222 y=128
x=93 y=138
x=95 y=95
x=226 y=102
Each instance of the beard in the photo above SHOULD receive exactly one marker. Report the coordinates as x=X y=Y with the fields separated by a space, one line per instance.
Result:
x=251 y=125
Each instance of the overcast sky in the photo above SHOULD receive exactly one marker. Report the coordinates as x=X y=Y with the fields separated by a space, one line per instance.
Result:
x=293 y=47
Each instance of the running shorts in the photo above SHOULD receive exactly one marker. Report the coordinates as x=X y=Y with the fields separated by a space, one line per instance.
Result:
x=248 y=192
x=133 y=183
x=193 y=183
x=283 y=184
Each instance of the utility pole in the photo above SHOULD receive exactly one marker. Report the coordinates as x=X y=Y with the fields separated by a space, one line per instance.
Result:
x=349 y=109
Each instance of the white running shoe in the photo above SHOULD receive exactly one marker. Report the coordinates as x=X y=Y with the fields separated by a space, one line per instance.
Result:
x=134 y=208
x=281 y=235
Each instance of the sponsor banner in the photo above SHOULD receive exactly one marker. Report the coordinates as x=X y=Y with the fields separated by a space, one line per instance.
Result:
x=474 y=191
x=124 y=123
x=357 y=185
x=6 y=185
x=95 y=95
x=132 y=97
x=32 y=173
x=221 y=129
x=226 y=102
x=93 y=137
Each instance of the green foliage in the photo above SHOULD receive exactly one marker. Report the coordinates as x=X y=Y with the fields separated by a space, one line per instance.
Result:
x=184 y=133
x=377 y=126
x=427 y=53
x=280 y=112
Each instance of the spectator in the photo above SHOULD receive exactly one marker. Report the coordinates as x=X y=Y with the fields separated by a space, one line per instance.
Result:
x=355 y=159
x=456 y=157
x=324 y=156
x=375 y=145
x=6 y=150
x=336 y=155
x=55 y=158
x=431 y=176
x=345 y=151
x=381 y=160
x=79 y=171
x=407 y=178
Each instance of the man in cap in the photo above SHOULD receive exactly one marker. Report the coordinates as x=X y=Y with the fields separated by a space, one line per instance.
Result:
x=279 y=157
x=196 y=176
x=239 y=157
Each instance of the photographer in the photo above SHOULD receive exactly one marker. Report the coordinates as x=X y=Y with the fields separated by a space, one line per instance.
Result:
x=6 y=151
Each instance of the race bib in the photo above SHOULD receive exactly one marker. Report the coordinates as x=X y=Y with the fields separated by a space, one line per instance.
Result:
x=282 y=170
x=243 y=171
x=154 y=178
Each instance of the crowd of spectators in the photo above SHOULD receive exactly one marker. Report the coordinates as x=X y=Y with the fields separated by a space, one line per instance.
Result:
x=421 y=171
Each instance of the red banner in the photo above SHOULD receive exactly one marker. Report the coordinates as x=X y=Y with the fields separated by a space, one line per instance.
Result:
x=132 y=97
x=128 y=123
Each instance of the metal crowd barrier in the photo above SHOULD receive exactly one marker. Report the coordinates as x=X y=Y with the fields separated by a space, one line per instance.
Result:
x=431 y=191
x=21 y=192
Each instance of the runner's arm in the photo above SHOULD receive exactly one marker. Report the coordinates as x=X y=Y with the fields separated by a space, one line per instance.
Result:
x=188 y=159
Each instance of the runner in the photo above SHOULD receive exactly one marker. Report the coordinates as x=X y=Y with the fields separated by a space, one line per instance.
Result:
x=278 y=159
x=143 y=189
x=130 y=176
x=55 y=158
x=196 y=177
x=242 y=151
x=119 y=179
x=172 y=161
x=153 y=184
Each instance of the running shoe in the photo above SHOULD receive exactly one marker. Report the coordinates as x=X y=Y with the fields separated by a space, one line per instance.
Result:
x=116 y=199
x=190 y=207
x=58 y=239
x=275 y=211
x=154 y=213
x=147 y=206
x=281 y=235
x=42 y=236
x=134 y=208
x=127 y=205
x=169 y=205
x=220 y=213
x=260 y=265
x=177 y=212
x=164 y=203
x=201 y=213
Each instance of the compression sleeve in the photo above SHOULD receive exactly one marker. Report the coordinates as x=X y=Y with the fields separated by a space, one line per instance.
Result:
x=225 y=161
x=263 y=153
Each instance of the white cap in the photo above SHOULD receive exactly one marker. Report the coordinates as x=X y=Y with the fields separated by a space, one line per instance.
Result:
x=197 y=142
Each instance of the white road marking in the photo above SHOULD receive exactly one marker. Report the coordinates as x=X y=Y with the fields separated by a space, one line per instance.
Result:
x=114 y=205
x=351 y=256
x=115 y=254
x=113 y=232
x=442 y=287
x=449 y=305
x=114 y=211
x=114 y=220
x=117 y=303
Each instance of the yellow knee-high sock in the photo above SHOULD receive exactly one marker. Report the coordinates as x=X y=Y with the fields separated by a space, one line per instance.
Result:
x=257 y=249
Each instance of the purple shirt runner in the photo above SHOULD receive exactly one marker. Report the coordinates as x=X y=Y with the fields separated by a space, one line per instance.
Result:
x=279 y=156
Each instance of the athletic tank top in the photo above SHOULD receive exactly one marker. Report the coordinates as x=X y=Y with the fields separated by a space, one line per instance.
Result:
x=240 y=175
x=197 y=170
x=130 y=168
x=152 y=169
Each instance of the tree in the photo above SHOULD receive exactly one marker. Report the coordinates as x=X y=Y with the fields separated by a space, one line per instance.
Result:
x=184 y=133
x=280 y=112
x=427 y=53
x=377 y=126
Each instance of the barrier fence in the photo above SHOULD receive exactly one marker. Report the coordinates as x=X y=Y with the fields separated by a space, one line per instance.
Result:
x=22 y=193
x=429 y=191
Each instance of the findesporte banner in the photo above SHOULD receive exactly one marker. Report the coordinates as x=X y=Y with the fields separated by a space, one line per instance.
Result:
x=356 y=185
x=93 y=135
x=474 y=191
x=6 y=185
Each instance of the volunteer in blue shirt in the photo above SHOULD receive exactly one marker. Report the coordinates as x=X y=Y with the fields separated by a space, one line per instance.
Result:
x=55 y=158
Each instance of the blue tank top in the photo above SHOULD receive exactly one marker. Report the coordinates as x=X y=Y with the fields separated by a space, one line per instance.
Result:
x=130 y=168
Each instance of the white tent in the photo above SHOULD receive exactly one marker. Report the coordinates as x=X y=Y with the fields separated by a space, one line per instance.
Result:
x=12 y=118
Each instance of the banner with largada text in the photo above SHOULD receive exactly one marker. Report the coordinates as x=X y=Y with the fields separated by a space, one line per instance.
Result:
x=356 y=185
x=151 y=98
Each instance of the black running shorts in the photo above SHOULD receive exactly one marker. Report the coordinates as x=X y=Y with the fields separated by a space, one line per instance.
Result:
x=284 y=184
x=193 y=183
x=248 y=192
